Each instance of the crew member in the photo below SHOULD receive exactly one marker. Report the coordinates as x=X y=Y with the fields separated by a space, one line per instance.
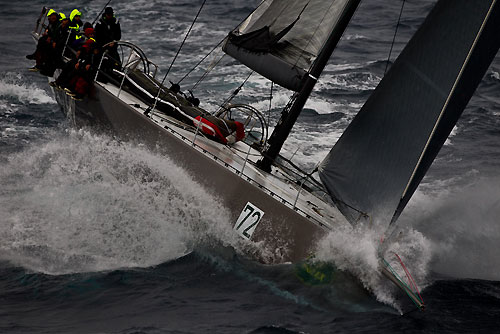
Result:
x=79 y=74
x=45 y=45
x=62 y=36
x=75 y=24
x=88 y=33
x=107 y=31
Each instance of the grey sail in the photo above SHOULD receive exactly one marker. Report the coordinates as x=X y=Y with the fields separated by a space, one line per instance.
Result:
x=282 y=38
x=380 y=159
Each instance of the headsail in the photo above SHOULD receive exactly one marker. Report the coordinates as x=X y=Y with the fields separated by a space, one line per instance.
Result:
x=282 y=38
x=385 y=152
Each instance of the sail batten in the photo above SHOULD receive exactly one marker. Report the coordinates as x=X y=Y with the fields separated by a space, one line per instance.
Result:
x=385 y=152
x=289 y=32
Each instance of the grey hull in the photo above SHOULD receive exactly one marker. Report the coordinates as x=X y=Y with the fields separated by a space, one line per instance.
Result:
x=282 y=231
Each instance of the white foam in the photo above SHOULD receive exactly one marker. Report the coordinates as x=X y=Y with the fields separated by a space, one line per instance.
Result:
x=347 y=66
x=461 y=222
x=280 y=99
x=86 y=203
x=310 y=147
x=7 y=108
x=19 y=132
x=453 y=133
x=324 y=106
x=354 y=81
x=14 y=86
x=358 y=250
x=354 y=37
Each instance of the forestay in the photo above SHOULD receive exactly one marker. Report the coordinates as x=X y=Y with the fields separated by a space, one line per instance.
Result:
x=385 y=152
x=282 y=38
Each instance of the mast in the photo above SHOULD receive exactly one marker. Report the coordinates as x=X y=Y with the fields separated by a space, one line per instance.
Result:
x=289 y=115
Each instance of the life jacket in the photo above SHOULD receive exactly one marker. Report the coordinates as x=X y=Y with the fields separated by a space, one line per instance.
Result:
x=73 y=25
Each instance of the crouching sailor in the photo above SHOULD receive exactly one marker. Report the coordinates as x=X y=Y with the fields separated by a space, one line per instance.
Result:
x=78 y=74
x=62 y=35
x=45 y=49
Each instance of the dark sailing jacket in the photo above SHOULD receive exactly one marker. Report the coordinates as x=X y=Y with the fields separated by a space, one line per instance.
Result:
x=61 y=36
x=107 y=30
x=52 y=29
x=88 y=57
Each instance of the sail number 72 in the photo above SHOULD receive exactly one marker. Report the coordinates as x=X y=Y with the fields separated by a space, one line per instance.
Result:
x=248 y=220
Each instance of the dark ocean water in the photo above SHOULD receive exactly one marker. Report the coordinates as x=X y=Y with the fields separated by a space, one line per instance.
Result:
x=104 y=237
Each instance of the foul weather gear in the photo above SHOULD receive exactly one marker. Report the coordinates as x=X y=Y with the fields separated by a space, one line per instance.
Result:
x=74 y=12
x=108 y=30
x=51 y=11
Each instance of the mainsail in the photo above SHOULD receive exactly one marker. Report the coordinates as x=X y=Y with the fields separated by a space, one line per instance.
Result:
x=385 y=152
x=282 y=38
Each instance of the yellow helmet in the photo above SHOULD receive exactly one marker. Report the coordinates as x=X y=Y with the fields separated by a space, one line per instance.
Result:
x=51 y=11
x=74 y=12
x=62 y=16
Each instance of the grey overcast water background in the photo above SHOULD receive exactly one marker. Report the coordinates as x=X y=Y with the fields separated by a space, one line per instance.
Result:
x=98 y=236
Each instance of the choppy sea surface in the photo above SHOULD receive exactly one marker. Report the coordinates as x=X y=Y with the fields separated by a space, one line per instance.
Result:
x=98 y=236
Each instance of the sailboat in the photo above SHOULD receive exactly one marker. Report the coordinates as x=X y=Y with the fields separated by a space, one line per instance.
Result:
x=370 y=173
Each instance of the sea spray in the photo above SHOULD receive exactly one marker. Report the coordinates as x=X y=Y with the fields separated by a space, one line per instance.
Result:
x=461 y=222
x=14 y=88
x=81 y=202
x=360 y=249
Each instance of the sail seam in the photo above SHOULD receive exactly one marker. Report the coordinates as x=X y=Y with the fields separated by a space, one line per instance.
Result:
x=466 y=61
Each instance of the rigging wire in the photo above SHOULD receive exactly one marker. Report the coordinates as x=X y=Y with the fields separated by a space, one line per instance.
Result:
x=206 y=73
x=394 y=37
x=201 y=61
x=102 y=10
x=178 y=51
x=236 y=91
x=185 y=37
x=218 y=44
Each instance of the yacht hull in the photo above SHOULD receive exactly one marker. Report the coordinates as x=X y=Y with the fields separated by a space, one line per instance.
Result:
x=283 y=234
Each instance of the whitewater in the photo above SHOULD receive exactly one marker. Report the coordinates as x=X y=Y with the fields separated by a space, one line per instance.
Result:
x=101 y=236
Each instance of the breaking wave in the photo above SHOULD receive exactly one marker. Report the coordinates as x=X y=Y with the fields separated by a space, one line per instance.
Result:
x=356 y=81
x=13 y=87
x=358 y=250
x=461 y=222
x=82 y=202
x=448 y=229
